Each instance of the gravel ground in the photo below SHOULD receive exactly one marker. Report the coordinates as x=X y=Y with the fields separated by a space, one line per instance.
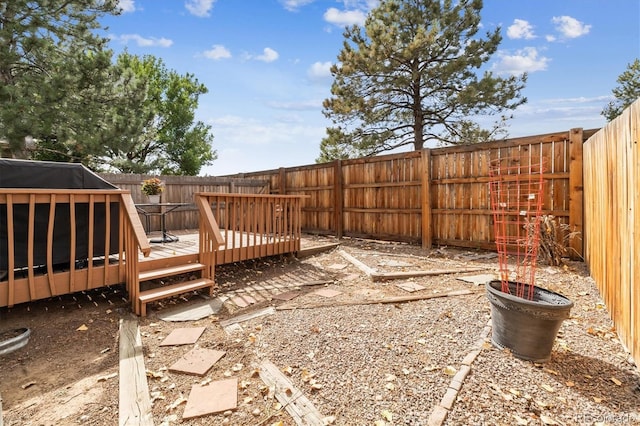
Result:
x=388 y=363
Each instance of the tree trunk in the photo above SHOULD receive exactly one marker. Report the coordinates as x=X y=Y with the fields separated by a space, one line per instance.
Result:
x=418 y=123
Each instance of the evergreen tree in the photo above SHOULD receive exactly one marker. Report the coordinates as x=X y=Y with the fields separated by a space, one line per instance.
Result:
x=412 y=75
x=50 y=55
x=626 y=93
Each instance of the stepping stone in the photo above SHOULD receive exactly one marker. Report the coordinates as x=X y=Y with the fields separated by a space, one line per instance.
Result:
x=197 y=361
x=192 y=312
x=287 y=295
x=243 y=301
x=410 y=287
x=214 y=397
x=183 y=336
x=327 y=292
x=478 y=279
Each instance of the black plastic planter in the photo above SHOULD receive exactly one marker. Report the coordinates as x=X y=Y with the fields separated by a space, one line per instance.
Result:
x=527 y=327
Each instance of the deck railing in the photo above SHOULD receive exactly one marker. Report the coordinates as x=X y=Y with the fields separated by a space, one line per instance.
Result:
x=58 y=241
x=253 y=225
x=210 y=237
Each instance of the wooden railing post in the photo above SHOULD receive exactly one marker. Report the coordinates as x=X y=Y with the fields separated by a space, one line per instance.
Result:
x=576 y=195
x=134 y=238
x=210 y=237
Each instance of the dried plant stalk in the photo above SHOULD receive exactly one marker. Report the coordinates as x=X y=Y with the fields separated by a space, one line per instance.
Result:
x=554 y=239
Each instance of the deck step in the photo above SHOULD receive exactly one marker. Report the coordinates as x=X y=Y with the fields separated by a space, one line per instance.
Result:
x=170 y=271
x=164 y=292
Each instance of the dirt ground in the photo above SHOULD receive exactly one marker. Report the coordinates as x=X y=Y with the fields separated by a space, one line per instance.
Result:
x=68 y=372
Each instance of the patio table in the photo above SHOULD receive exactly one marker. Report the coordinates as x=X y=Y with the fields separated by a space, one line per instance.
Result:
x=162 y=210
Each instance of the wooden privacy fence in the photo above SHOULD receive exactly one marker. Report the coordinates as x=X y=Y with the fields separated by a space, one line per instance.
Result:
x=434 y=196
x=612 y=221
x=181 y=189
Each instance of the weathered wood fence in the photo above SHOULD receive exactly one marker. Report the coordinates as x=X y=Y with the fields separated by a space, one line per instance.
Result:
x=181 y=189
x=612 y=221
x=434 y=196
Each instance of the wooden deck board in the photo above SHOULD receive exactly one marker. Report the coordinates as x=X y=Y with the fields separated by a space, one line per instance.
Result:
x=187 y=244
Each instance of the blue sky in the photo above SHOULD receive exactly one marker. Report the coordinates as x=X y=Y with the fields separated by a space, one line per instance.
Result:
x=266 y=64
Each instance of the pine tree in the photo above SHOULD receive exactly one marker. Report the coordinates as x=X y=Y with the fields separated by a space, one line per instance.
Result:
x=626 y=93
x=412 y=74
x=50 y=52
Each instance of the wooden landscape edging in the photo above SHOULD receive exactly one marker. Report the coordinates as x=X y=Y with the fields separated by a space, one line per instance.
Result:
x=385 y=276
x=134 y=407
x=386 y=300
x=299 y=407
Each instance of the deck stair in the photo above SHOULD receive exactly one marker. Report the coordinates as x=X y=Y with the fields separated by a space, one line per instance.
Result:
x=164 y=292
x=154 y=274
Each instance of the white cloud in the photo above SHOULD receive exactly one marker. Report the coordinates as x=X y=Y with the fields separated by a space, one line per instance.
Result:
x=235 y=131
x=581 y=100
x=308 y=105
x=217 y=51
x=570 y=27
x=144 y=42
x=550 y=38
x=344 y=18
x=127 y=5
x=520 y=29
x=294 y=5
x=319 y=70
x=268 y=55
x=361 y=4
x=556 y=113
x=199 y=8
x=266 y=139
x=525 y=60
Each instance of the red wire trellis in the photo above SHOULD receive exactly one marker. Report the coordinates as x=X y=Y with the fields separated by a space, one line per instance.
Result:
x=516 y=192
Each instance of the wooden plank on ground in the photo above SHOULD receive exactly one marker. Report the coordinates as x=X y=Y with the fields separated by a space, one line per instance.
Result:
x=135 y=405
x=292 y=399
x=358 y=264
x=383 y=276
x=310 y=251
x=246 y=317
x=266 y=287
x=386 y=300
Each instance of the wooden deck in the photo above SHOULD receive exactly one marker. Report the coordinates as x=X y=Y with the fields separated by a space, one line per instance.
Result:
x=104 y=224
x=187 y=245
x=239 y=246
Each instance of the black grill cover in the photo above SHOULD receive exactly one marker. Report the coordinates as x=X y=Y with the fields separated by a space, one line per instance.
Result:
x=53 y=175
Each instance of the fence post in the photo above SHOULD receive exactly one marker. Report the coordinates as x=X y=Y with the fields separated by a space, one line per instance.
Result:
x=282 y=178
x=576 y=192
x=427 y=236
x=338 y=200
